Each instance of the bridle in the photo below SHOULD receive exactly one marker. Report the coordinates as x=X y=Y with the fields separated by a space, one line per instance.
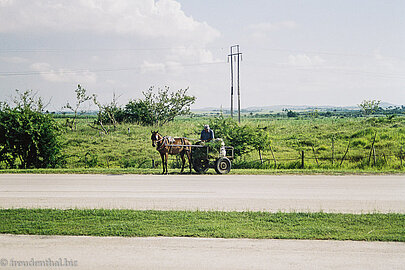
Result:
x=155 y=142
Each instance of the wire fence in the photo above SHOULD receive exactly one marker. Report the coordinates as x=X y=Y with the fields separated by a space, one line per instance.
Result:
x=303 y=159
x=309 y=159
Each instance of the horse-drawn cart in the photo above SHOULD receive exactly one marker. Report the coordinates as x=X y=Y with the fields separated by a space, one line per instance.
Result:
x=200 y=156
x=204 y=157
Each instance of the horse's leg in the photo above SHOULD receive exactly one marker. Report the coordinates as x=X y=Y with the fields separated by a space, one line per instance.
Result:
x=167 y=158
x=162 y=155
x=183 y=159
x=188 y=153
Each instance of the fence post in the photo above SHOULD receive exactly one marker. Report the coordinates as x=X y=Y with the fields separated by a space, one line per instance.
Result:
x=371 y=149
x=302 y=159
x=344 y=156
x=374 y=157
x=261 y=158
x=153 y=163
x=333 y=149
x=275 y=162
x=401 y=156
x=313 y=150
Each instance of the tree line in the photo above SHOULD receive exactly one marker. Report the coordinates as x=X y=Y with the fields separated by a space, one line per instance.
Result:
x=30 y=138
x=157 y=107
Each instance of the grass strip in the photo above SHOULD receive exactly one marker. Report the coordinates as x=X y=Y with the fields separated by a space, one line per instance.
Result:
x=211 y=224
x=370 y=171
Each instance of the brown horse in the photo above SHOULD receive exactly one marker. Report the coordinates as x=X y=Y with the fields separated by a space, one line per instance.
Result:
x=173 y=146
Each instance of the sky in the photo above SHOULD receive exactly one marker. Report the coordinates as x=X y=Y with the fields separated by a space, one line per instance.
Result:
x=313 y=52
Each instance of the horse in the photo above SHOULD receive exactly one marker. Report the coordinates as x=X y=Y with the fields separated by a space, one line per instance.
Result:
x=167 y=145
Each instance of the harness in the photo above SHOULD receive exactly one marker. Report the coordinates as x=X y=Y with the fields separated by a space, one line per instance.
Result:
x=165 y=140
x=159 y=147
x=165 y=143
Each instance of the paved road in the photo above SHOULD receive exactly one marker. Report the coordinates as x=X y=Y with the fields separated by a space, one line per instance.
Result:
x=269 y=193
x=194 y=253
x=349 y=194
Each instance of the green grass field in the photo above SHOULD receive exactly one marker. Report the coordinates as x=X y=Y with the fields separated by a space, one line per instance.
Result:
x=128 y=149
x=88 y=148
x=157 y=171
x=260 y=225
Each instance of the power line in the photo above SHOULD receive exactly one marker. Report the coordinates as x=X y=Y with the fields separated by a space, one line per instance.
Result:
x=340 y=70
x=50 y=50
x=73 y=50
x=327 y=53
x=321 y=68
x=27 y=73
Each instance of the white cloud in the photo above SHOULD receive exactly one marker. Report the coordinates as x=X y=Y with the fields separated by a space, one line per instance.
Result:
x=141 y=18
x=149 y=23
x=303 y=60
x=50 y=74
x=261 y=30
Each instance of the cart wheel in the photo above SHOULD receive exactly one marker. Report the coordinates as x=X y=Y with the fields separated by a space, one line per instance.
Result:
x=200 y=166
x=223 y=165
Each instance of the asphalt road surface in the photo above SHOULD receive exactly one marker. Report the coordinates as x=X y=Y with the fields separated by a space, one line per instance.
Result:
x=79 y=252
x=346 y=194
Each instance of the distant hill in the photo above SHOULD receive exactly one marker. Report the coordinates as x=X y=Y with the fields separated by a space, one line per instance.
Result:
x=387 y=104
x=279 y=108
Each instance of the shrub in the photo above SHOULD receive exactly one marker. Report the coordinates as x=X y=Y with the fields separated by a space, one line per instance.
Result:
x=243 y=138
x=292 y=114
x=28 y=137
x=159 y=107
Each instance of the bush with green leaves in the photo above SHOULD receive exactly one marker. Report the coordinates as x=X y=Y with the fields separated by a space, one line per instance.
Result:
x=81 y=97
x=244 y=138
x=139 y=112
x=291 y=113
x=28 y=137
x=368 y=107
x=110 y=113
x=159 y=107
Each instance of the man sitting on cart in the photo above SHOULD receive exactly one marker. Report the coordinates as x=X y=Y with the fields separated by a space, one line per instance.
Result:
x=207 y=134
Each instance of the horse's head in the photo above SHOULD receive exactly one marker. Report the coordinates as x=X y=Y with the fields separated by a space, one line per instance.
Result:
x=155 y=137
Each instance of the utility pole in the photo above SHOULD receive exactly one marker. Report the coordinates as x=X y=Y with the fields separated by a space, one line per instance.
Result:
x=231 y=83
x=238 y=57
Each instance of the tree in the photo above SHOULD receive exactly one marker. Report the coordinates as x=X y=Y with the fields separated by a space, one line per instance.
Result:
x=291 y=113
x=81 y=97
x=159 y=107
x=110 y=113
x=369 y=106
x=260 y=140
x=139 y=111
x=28 y=137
